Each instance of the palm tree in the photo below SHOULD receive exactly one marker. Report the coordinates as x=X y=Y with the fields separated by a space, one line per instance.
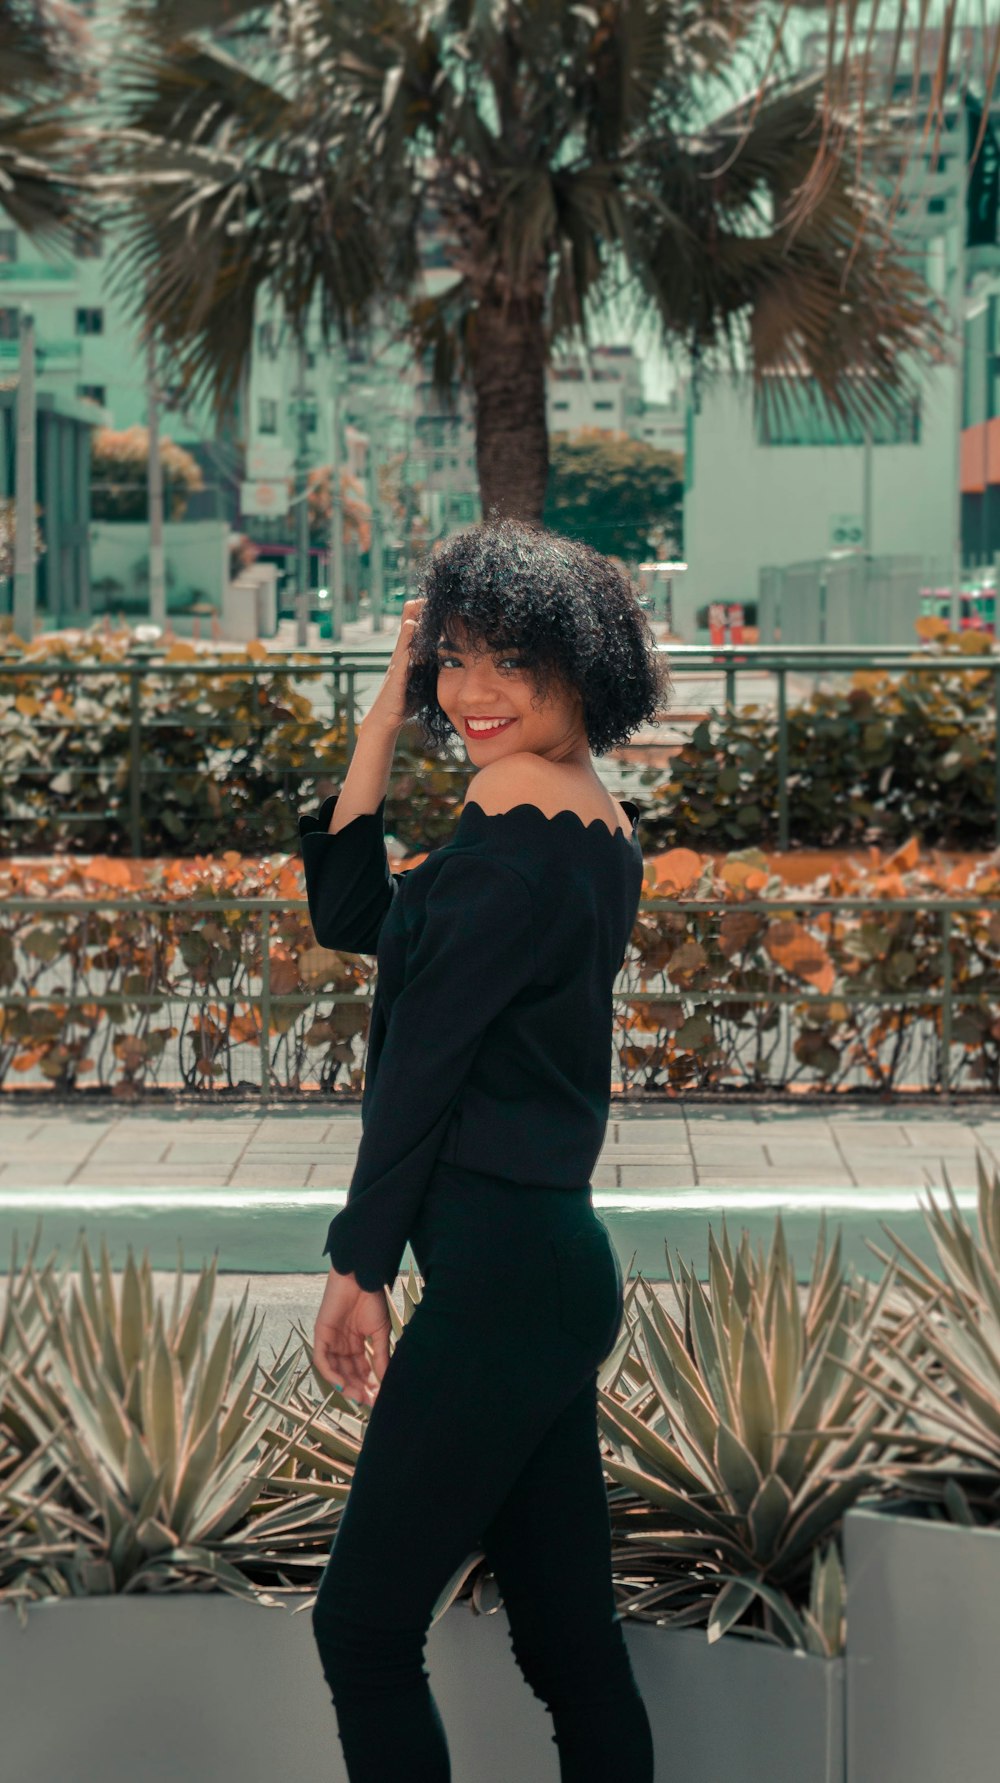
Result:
x=563 y=153
x=41 y=48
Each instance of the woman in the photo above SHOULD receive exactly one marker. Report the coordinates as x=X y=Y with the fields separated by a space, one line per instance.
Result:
x=485 y=1105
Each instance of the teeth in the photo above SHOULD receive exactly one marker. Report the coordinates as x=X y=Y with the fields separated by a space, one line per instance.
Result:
x=494 y=725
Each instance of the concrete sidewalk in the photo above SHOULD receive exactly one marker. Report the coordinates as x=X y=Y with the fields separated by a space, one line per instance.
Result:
x=259 y=1187
x=262 y=1185
x=664 y=1146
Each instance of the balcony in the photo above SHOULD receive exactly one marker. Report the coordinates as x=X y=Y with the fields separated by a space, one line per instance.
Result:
x=37 y=272
x=57 y=355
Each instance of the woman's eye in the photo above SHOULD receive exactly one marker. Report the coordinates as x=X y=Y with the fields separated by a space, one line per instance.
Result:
x=517 y=661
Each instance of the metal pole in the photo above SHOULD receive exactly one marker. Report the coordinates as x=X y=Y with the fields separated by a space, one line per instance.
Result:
x=24 y=520
x=302 y=508
x=336 y=515
x=958 y=307
x=154 y=479
x=946 y=1010
x=867 y=489
x=265 y=1005
x=352 y=736
x=376 y=556
x=782 y=759
x=867 y=510
x=134 y=762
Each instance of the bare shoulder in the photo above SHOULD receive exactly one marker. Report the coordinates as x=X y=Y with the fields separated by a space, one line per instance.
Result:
x=516 y=779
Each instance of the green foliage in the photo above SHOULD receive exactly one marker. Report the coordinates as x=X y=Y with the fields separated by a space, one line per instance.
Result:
x=614 y=493
x=140 y=1451
x=119 y=469
x=740 y=1431
x=227 y=760
x=942 y=1361
x=894 y=757
x=231 y=186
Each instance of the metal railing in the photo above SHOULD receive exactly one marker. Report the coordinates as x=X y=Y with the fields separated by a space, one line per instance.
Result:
x=340 y=669
x=261 y=1001
x=734 y=659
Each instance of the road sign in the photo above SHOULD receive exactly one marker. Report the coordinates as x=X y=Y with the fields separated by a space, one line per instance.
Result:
x=268 y=461
x=846 y=530
x=264 y=500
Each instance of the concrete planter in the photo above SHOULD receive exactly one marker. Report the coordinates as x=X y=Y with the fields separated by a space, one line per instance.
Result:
x=205 y=1686
x=922 y=1631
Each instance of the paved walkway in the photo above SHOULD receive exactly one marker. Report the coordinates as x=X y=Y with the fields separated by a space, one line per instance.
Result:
x=267 y=1178
x=258 y=1188
x=671 y=1146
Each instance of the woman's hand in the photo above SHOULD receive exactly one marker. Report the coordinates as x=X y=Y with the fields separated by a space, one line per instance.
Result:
x=386 y=710
x=347 y=1316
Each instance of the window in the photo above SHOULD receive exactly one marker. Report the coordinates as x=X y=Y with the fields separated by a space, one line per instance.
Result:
x=92 y=393
x=10 y=328
x=604 y=405
x=173 y=398
x=560 y=405
x=267 y=340
x=8 y=245
x=267 y=414
x=90 y=321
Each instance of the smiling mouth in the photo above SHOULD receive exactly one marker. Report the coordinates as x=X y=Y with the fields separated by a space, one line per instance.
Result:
x=490 y=728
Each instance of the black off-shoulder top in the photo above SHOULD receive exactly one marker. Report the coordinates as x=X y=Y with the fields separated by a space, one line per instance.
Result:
x=489 y=1041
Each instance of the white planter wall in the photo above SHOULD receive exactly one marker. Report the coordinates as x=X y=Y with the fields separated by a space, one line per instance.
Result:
x=211 y=1689
x=923 y=1609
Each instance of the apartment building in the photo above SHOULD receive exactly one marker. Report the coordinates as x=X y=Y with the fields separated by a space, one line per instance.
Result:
x=772 y=485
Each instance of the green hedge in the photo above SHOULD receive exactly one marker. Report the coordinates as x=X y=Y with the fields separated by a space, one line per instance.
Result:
x=911 y=755
x=229 y=760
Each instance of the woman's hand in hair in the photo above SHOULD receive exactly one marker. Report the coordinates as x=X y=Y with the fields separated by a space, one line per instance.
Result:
x=388 y=709
x=349 y=1318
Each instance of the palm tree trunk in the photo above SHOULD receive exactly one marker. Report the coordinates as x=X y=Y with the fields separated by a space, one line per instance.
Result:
x=508 y=376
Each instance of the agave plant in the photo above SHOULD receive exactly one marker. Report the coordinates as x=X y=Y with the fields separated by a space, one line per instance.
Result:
x=739 y=1434
x=134 y=1456
x=943 y=1362
x=140 y=1457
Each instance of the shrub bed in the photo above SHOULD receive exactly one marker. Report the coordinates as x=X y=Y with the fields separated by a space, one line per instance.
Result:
x=894 y=756
x=227 y=760
x=143 y=1450
x=230 y=758
x=759 y=988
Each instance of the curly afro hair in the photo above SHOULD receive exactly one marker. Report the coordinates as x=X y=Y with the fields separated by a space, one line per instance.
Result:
x=569 y=612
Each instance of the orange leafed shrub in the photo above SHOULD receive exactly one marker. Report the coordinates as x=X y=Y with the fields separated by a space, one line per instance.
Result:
x=789 y=997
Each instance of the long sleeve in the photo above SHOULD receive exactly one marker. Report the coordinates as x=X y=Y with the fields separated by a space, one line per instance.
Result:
x=348 y=882
x=473 y=955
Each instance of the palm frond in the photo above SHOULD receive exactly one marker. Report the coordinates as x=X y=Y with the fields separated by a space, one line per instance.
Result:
x=732 y=258
x=39 y=190
x=39 y=41
x=167 y=21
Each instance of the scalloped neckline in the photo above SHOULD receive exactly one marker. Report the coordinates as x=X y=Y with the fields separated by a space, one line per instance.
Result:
x=628 y=805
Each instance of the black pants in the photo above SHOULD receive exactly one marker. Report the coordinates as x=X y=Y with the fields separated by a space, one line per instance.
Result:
x=484 y=1435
